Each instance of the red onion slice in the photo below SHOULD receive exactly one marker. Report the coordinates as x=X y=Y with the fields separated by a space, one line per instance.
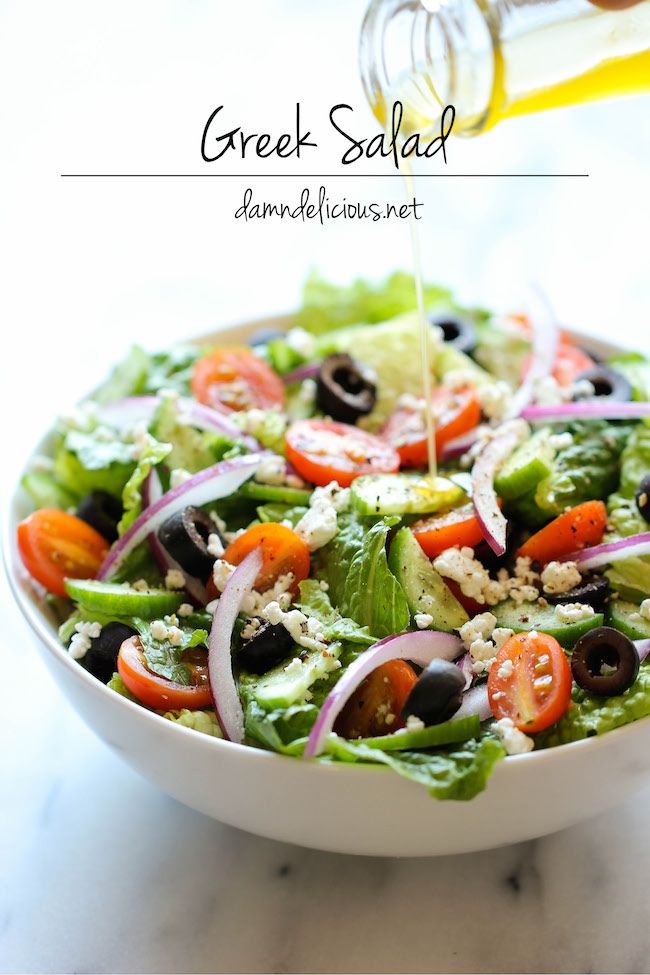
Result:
x=484 y=497
x=223 y=688
x=421 y=647
x=625 y=548
x=465 y=664
x=475 y=701
x=546 y=338
x=642 y=648
x=135 y=409
x=458 y=446
x=589 y=410
x=219 y=481
x=308 y=371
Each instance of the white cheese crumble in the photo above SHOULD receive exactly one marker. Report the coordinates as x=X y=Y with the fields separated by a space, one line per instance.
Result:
x=319 y=525
x=215 y=546
x=480 y=627
x=301 y=342
x=513 y=740
x=178 y=476
x=644 y=609
x=158 y=630
x=423 y=620
x=560 y=577
x=175 y=636
x=221 y=572
x=174 y=579
x=307 y=393
x=304 y=630
x=413 y=723
x=460 y=565
x=140 y=585
x=559 y=441
x=185 y=609
x=500 y=635
x=506 y=670
x=272 y=470
x=82 y=637
x=494 y=399
x=573 y=612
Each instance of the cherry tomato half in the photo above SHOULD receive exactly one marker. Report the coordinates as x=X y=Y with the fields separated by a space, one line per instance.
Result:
x=282 y=551
x=570 y=361
x=324 y=451
x=455 y=413
x=236 y=379
x=55 y=545
x=382 y=693
x=530 y=681
x=577 y=528
x=158 y=692
x=458 y=527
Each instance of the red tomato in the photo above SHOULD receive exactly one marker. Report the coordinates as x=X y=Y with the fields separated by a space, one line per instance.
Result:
x=382 y=693
x=55 y=545
x=471 y=606
x=537 y=689
x=282 y=551
x=236 y=379
x=324 y=451
x=577 y=528
x=570 y=361
x=458 y=527
x=455 y=413
x=158 y=692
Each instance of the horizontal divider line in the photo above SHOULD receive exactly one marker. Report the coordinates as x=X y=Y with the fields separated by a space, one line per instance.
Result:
x=322 y=176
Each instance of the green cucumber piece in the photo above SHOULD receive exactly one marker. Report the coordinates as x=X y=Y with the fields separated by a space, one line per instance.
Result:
x=46 y=492
x=527 y=466
x=626 y=618
x=424 y=588
x=269 y=492
x=462 y=729
x=117 y=600
x=532 y=616
x=400 y=494
x=280 y=688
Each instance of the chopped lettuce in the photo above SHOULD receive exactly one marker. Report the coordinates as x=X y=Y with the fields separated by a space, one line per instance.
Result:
x=117 y=684
x=373 y=597
x=502 y=349
x=456 y=772
x=280 y=512
x=630 y=577
x=172 y=369
x=86 y=462
x=327 y=306
x=636 y=369
x=162 y=657
x=190 y=449
x=269 y=431
x=152 y=454
x=315 y=602
x=278 y=730
x=128 y=377
x=46 y=492
x=203 y=721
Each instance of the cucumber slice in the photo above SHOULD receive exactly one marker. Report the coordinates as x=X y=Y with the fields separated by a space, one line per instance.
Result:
x=424 y=588
x=114 y=599
x=46 y=492
x=527 y=466
x=281 y=688
x=532 y=616
x=400 y=494
x=446 y=733
x=626 y=618
x=269 y=492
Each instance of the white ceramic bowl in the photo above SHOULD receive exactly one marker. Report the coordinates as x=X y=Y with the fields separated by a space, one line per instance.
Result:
x=343 y=808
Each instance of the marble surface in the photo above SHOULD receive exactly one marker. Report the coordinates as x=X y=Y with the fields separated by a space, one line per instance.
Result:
x=98 y=870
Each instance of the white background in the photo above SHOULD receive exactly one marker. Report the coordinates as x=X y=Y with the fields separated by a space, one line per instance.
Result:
x=86 y=267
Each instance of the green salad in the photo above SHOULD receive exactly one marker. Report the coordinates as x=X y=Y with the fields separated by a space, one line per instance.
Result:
x=248 y=540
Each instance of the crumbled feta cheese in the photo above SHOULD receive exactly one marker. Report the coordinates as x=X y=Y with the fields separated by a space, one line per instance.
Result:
x=254 y=602
x=559 y=441
x=175 y=636
x=302 y=630
x=294 y=668
x=301 y=342
x=480 y=627
x=500 y=635
x=494 y=399
x=456 y=379
x=307 y=393
x=548 y=392
x=514 y=741
x=337 y=496
x=211 y=608
x=582 y=389
x=185 y=609
x=423 y=620
x=140 y=585
x=221 y=572
x=250 y=421
x=174 y=579
x=141 y=439
x=215 y=546
x=573 y=612
x=482 y=653
x=413 y=723
x=80 y=643
x=319 y=525
x=272 y=470
x=560 y=577
x=158 y=630
x=178 y=476
x=324 y=585
x=460 y=565
x=506 y=670
x=644 y=609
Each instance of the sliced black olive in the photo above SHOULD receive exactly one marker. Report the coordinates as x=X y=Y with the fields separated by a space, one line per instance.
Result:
x=642 y=496
x=101 y=511
x=270 y=644
x=101 y=657
x=593 y=590
x=515 y=537
x=436 y=695
x=264 y=335
x=607 y=383
x=344 y=390
x=185 y=536
x=456 y=330
x=604 y=662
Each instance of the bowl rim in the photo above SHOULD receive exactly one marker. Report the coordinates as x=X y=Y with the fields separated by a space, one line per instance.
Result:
x=20 y=583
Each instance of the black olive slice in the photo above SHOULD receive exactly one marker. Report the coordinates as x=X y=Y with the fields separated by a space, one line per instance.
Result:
x=269 y=645
x=607 y=383
x=456 y=330
x=344 y=389
x=642 y=497
x=101 y=657
x=101 y=511
x=185 y=536
x=604 y=662
x=593 y=590
x=437 y=693
x=264 y=335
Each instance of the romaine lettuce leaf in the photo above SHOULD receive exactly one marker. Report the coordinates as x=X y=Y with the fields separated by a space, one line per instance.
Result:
x=190 y=449
x=315 y=602
x=203 y=721
x=117 y=684
x=163 y=658
x=373 y=597
x=151 y=455
x=86 y=462
x=332 y=562
x=636 y=369
x=456 y=772
x=172 y=369
x=630 y=577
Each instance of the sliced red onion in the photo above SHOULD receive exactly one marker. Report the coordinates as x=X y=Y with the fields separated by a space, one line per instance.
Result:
x=642 y=648
x=308 y=371
x=458 y=446
x=598 y=409
x=475 y=701
x=634 y=546
x=225 y=696
x=421 y=647
x=545 y=341
x=465 y=664
x=135 y=409
x=484 y=497
x=219 y=481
